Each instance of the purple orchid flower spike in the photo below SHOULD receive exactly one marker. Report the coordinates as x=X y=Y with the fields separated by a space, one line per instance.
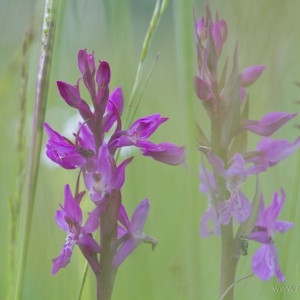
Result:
x=208 y=186
x=132 y=231
x=63 y=152
x=105 y=177
x=269 y=152
x=268 y=124
x=69 y=219
x=237 y=205
x=265 y=261
x=97 y=139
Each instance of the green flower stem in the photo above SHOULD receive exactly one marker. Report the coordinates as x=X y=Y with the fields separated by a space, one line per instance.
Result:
x=43 y=75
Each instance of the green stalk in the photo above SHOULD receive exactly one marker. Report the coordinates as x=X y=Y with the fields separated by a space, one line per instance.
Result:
x=15 y=201
x=42 y=84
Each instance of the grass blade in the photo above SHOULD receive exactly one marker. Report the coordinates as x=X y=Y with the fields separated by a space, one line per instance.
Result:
x=42 y=84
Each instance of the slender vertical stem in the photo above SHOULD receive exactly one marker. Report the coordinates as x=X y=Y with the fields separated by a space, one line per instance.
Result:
x=228 y=259
x=108 y=235
x=15 y=202
x=43 y=75
x=228 y=262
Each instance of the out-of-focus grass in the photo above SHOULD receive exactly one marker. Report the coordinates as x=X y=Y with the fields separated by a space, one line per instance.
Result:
x=268 y=33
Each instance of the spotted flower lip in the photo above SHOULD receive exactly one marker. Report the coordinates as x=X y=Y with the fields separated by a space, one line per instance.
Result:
x=237 y=205
x=132 y=231
x=106 y=177
x=270 y=123
x=265 y=261
x=69 y=219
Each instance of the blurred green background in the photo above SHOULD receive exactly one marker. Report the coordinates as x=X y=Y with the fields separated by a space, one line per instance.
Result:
x=183 y=266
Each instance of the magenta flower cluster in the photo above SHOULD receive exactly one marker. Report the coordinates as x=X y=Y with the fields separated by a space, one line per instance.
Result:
x=224 y=95
x=93 y=151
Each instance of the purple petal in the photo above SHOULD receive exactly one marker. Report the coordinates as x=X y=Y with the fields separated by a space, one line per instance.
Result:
x=165 y=152
x=139 y=216
x=119 y=174
x=86 y=66
x=219 y=32
x=71 y=95
x=272 y=212
x=104 y=163
x=269 y=152
x=201 y=28
x=250 y=75
x=145 y=127
x=117 y=99
x=71 y=207
x=64 y=258
x=208 y=183
x=283 y=226
x=61 y=151
x=86 y=138
x=86 y=63
x=61 y=221
x=237 y=206
x=217 y=163
x=123 y=218
x=237 y=167
x=210 y=216
x=124 y=251
x=269 y=123
x=92 y=222
x=203 y=90
x=240 y=206
x=103 y=74
x=88 y=242
x=260 y=234
x=265 y=263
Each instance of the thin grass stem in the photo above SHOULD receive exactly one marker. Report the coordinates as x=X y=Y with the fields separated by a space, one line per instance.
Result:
x=42 y=84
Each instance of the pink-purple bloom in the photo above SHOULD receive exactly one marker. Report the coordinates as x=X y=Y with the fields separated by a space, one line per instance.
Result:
x=250 y=75
x=96 y=140
x=69 y=219
x=237 y=205
x=268 y=124
x=105 y=176
x=265 y=261
x=62 y=151
x=131 y=232
x=269 y=152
